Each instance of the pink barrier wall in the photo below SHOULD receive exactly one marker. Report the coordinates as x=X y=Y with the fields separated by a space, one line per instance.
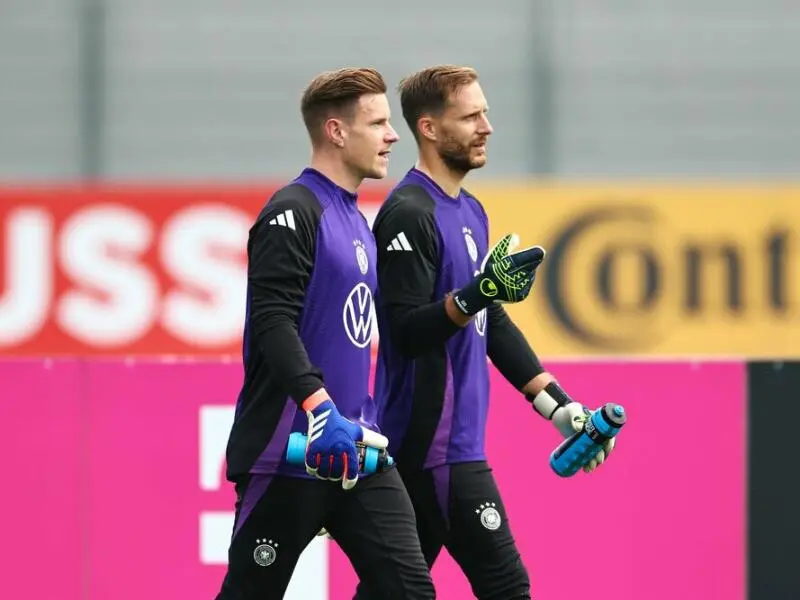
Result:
x=631 y=536
x=115 y=483
x=42 y=516
x=105 y=487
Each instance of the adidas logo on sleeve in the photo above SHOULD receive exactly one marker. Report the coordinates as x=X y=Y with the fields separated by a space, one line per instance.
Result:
x=399 y=242
x=285 y=219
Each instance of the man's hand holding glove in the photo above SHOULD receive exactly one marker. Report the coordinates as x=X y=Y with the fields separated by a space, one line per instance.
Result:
x=331 y=447
x=568 y=417
x=506 y=276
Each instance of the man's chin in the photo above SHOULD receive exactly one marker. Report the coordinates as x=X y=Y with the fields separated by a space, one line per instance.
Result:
x=377 y=173
x=478 y=162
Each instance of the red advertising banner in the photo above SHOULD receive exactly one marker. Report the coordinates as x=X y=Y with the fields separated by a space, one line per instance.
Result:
x=115 y=482
x=127 y=270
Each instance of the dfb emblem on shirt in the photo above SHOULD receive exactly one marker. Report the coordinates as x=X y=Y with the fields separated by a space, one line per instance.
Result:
x=472 y=247
x=265 y=553
x=361 y=256
x=358 y=315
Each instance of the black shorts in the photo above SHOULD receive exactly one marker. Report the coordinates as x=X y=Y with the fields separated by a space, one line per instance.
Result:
x=373 y=523
x=459 y=507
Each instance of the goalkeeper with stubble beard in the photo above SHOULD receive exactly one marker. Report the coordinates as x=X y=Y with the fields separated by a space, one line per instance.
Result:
x=432 y=382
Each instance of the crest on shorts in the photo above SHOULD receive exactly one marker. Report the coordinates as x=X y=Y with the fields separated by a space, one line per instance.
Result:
x=265 y=553
x=489 y=516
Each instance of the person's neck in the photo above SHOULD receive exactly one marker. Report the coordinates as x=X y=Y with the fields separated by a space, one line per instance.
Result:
x=446 y=178
x=336 y=171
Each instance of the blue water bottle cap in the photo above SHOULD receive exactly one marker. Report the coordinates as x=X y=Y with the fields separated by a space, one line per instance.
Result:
x=619 y=411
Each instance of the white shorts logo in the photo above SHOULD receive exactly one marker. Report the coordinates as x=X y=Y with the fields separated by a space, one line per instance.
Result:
x=358 y=315
x=265 y=553
x=490 y=518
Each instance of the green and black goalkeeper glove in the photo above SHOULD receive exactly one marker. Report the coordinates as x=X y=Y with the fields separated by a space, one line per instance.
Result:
x=506 y=276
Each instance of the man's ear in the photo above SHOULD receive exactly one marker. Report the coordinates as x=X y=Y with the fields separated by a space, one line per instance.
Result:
x=334 y=132
x=427 y=128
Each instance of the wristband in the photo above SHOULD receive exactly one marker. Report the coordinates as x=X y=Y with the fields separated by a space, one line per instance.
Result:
x=549 y=400
x=315 y=399
x=475 y=296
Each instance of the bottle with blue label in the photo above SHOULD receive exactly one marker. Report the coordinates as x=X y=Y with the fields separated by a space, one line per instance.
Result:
x=370 y=460
x=576 y=451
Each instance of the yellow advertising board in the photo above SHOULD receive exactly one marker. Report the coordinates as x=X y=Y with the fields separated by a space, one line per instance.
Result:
x=657 y=271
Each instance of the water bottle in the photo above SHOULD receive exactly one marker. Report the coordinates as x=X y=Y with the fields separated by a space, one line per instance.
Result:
x=577 y=450
x=370 y=460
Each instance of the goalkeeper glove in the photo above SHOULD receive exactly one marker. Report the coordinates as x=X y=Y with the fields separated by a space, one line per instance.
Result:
x=568 y=417
x=331 y=448
x=504 y=277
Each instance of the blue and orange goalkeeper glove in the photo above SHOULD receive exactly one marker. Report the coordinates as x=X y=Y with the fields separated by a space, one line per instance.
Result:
x=331 y=451
x=506 y=276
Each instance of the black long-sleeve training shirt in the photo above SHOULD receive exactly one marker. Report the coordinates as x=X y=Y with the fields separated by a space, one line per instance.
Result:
x=309 y=320
x=432 y=381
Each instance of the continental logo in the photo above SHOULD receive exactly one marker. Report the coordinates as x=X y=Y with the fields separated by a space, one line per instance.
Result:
x=688 y=273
